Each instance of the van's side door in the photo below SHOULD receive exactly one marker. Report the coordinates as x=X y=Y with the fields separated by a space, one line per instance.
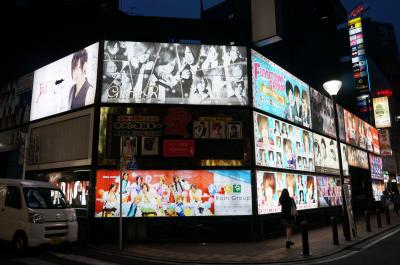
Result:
x=3 y=192
x=12 y=211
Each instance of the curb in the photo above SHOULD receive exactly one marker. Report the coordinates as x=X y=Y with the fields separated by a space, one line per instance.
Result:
x=127 y=254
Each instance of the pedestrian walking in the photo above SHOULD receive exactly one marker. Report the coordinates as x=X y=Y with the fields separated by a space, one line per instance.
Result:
x=289 y=215
x=396 y=201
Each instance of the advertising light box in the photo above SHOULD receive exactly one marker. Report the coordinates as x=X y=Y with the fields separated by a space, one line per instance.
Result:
x=377 y=190
x=381 y=112
x=345 y=161
x=357 y=157
x=66 y=84
x=282 y=145
x=278 y=92
x=172 y=73
x=360 y=133
x=325 y=155
x=329 y=191
x=376 y=167
x=169 y=193
x=302 y=188
x=323 y=119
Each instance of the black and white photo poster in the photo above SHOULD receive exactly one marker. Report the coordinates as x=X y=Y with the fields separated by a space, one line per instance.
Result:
x=145 y=72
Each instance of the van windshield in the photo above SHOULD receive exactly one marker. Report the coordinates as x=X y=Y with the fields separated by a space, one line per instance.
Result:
x=44 y=198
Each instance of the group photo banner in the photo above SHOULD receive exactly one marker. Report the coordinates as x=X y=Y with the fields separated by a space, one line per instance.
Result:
x=360 y=133
x=173 y=73
x=325 y=155
x=278 y=92
x=270 y=184
x=66 y=84
x=282 y=145
x=357 y=157
x=173 y=193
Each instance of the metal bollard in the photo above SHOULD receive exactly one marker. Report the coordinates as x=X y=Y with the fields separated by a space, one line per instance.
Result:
x=367 y=221
x=304 y=236
x=334 y=231
x=378 y=218
x=387 y=215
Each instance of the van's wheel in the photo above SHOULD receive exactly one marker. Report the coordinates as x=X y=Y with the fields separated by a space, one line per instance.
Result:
x=20 y=242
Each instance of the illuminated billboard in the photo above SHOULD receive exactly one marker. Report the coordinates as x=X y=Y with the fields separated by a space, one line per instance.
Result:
x=323 y=119
x=169 y=193
x=282 y=145
x=66 y=84
x=377 y=189
x=325 y=155
x=376 y=167
x=357 y=157
x=172 y=73
x=381 y=112
x=360 y=133
x=278 y=92
x=302 y=188
x=329 y=191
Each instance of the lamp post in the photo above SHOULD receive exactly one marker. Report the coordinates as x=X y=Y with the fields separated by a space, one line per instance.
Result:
x=333 y=87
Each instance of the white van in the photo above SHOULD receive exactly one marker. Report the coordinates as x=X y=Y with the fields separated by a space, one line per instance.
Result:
x=33 y=213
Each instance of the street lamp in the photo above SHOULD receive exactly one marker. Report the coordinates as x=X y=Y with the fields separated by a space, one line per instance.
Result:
x=333 y=87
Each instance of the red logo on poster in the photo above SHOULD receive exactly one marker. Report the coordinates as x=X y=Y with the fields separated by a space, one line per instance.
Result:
x=181 y=148
x=176 y=122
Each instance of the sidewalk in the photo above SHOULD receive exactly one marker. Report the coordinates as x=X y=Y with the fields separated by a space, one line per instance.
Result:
x=266 y=251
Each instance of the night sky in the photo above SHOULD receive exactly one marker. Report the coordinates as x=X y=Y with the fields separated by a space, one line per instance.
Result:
x=380 y=11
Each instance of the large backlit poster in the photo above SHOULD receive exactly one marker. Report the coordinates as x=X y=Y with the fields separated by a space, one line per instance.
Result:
x=360 y=133
x=145 y=72
x=66 y=84
x=302 y=188
x=376 y=167
x=381 y=112
x=377 y=189
x=149 y=193
x=323 y=116
x=357 y=157
x=282 y=145
x=329 y=191
x=373 y=133
x=278 y=92
x=341 y=123
x=325 y=155
x=345 y=161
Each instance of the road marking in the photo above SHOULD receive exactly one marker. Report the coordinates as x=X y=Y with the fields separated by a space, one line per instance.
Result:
x=353 y=252
x=81 y=259
x=35 y=261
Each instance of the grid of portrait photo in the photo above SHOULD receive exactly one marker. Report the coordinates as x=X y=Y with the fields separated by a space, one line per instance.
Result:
x=145 y=72
x=282 y=145
x=217 y=129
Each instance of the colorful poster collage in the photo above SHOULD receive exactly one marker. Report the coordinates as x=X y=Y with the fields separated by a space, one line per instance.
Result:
x=360 y=133
x=323 y=116
x=282 y=145
x=357 y=157
x=377 y=190
x=302 y=188
x=173 y=73
x=280 y=93
x=376 y=167
x=329 y=191
x=173 y=193
x=325 y=155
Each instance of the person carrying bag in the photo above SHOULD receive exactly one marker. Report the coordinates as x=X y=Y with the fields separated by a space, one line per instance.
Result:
x=289 y=214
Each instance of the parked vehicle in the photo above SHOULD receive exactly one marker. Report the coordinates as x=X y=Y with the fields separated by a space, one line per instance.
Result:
x=33 y=213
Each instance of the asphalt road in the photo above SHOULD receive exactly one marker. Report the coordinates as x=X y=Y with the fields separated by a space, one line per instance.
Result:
x=381 y=250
